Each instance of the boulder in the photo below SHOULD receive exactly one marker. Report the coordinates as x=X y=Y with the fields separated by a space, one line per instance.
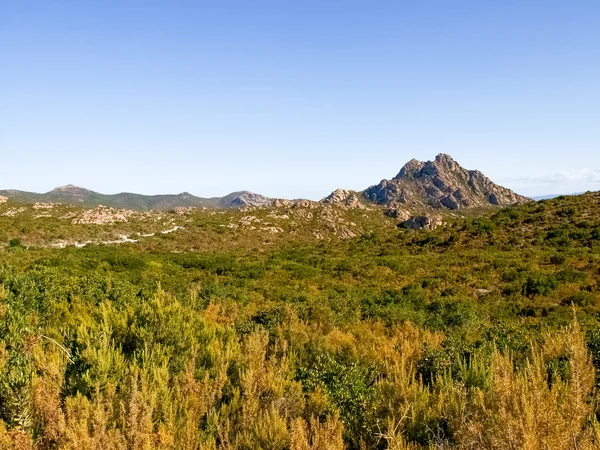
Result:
x=422 y=223
x=450 y=202
x=344 y=198
x=397 y=213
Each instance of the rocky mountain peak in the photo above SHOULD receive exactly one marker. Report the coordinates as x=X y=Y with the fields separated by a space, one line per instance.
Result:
x=415 y=168
x=410 y=169
x=440 y=184
x=444 y=158
x=444 y=162
x=69 y=188
x=245 y=198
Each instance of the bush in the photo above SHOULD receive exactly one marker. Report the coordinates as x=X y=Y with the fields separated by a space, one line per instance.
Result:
x=540 y=285
x=350 y=386
x=14 y=243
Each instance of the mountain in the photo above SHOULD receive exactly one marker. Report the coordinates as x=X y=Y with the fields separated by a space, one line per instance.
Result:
x=244 y=198
x=440 y=184
x=70 y=194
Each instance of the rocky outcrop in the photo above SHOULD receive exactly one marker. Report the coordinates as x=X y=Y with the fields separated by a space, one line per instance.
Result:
x=397 y=213
x=344 y=198
x=12 y=212
x=440 y=184
x=102 y=216
x=43 y=206
x=244 y=198
x=298 y=203
x=422 y=223
x=3 y=199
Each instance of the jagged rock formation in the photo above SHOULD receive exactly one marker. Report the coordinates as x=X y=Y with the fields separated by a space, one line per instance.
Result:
x=344 y=198
x=440 y=184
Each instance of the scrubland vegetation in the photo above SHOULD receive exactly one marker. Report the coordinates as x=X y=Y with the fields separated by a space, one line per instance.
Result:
x=482 y=334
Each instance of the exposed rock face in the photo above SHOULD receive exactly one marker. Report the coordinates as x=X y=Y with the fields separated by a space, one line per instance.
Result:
x=345 y=198
x=410 y=169
x=397 y=213
x=3 y=199
x=335 y=223
x=440 y=184
x=12 y=212
x=102 y=216
x=298 y=203
x=43 y=206
x=281 y=203
x=245 y=198
x=422 y=223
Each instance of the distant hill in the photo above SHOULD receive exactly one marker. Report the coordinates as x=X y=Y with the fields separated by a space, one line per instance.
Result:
x=551 y=196
x=438 y=184
x=80 y=196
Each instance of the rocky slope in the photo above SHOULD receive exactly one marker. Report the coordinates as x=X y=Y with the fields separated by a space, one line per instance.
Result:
x=440 y=184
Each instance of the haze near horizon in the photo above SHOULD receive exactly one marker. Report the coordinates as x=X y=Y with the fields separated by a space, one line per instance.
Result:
x=295 y=99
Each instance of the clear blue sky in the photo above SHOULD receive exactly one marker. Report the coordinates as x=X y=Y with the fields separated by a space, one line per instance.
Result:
x=296 y=98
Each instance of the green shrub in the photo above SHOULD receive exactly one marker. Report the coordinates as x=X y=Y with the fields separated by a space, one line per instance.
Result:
x=540 y=284
x=14 y=243
x=351 y=387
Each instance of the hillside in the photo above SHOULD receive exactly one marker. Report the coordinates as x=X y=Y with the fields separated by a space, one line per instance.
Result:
x=441 y=184
x=301 y=325
x=75 y=195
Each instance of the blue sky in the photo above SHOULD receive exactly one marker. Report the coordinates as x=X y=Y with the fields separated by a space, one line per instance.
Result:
x=296 y=98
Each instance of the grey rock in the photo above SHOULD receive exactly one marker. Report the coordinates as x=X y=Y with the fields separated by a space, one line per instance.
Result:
x=422 y=223
x=241 y=199
x=482 y=292
x=344 y=198
x=397 y=213
x=440 y=184
x=450 y=202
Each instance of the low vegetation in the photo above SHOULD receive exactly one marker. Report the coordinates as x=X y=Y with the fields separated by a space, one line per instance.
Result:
x=481 y=334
